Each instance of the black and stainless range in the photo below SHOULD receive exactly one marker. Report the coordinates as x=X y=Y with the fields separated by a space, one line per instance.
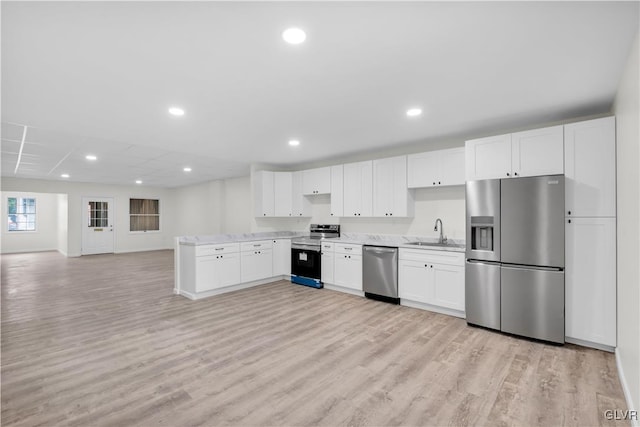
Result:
x=306 y=258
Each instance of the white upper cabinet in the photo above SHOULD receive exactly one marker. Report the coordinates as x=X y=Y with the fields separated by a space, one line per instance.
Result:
x=390 y=194
x=316 y=181
x=337 y=191
x=436 y=168
x=590 y=168
x=358 y=189
x=263 y=193
x=537 y=152
x=530 y=153
x=488 y=158
x=301 y=206
x=283 y=196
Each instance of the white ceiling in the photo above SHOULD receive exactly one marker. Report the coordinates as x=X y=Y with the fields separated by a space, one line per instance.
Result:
x=99 y=77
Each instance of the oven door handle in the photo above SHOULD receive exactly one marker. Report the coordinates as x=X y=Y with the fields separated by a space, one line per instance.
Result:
x=306 y=247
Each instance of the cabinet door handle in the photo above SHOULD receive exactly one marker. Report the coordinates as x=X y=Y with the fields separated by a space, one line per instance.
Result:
x=431 y=266
x=569 y=221
x=569 y=213
x=434 y=183
x=515 y=173
x=438 y=182
x=508 y=174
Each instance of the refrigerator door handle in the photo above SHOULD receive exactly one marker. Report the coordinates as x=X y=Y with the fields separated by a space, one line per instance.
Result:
x=530 y=267
x=475 y=261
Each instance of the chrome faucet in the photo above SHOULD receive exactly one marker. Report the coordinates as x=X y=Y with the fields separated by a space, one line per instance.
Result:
x=443 y=239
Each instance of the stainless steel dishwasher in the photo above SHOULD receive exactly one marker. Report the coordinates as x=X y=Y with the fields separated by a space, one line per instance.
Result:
x=380 y=273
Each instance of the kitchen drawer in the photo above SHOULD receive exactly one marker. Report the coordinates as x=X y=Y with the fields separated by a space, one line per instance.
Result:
x=436 y=257
x=224 y=248
x=327 y=247
x=256 y=245
x=343 y=248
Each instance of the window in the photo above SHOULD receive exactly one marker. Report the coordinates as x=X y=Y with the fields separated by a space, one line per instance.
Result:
x=21 y=213
x=98 y=214
x=144 y=215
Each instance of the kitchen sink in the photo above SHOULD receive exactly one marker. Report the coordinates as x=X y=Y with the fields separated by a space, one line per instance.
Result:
x=439 y=245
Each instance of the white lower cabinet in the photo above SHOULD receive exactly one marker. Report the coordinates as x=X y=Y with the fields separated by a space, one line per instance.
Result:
x=448 y=286
x=226 y=271
x=327 y=263
x=413 y=280
x=590 y=280
x=348 y=266
x=281 y=257
x=257 y=260
x=433 y=278
x=209 y=267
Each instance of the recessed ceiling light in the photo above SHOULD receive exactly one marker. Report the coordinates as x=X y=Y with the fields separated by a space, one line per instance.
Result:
x=90 y=157
x=175 y=111
x=294 y=35
x=138 y=182
x=414 y=112
x=187 y=169
x=64 y=175
x=294 y=143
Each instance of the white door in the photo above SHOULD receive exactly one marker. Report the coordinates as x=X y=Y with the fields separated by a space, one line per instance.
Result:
x=488 y=158
x=283 y=193
x=590 y=280
x=448 y=286
x=423 y=168
x=414 y=281
x=337 y=198
x=383 y=194
x=590 y=168
x=97 y=225
x=538 y=152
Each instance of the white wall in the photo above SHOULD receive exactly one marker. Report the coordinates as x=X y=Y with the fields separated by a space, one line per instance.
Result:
x=199 y=209
x=45 y=238
x=237 y=206
x=63 y=223
x=628 y=176
x=124 y=240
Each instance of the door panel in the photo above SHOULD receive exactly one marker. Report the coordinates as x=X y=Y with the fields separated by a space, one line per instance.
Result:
x=532 y=227
x=98 y=225
x=482 y=294
x=483 y=211
x=532 y=303
x=448 y=286
x=488 y=158
x=591 y=280
x=590 y=168
x=538 y=152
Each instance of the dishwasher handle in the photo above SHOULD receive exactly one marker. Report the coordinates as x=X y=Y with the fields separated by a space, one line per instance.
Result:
x=380 y=249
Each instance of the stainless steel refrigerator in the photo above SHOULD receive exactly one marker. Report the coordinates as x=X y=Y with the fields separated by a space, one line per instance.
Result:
x=514 y=276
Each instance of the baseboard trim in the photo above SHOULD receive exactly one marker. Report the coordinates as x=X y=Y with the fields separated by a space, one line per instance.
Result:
x=436 y=309
x=29 y=251
x=200 y=295
x=144 y=250
x=625 y=389
x=584 y=343
x=343 y=289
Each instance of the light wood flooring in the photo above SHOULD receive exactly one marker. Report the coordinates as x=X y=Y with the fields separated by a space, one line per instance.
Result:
x=101 y=340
